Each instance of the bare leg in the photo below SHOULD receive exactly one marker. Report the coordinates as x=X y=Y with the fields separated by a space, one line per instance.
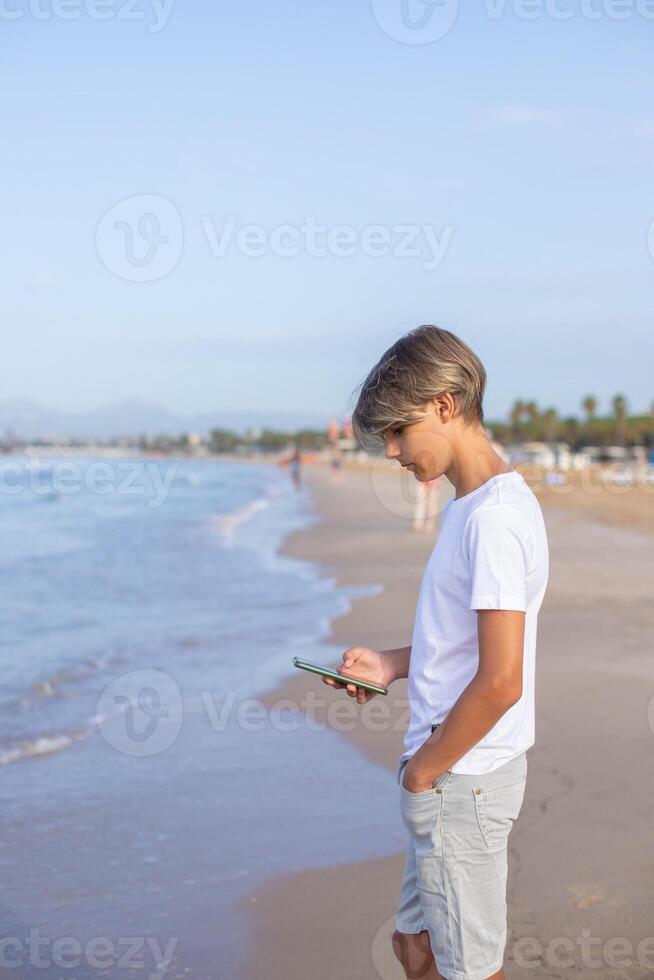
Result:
x=413 y=950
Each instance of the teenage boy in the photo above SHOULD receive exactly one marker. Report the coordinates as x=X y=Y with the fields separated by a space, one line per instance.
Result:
x=471 y=662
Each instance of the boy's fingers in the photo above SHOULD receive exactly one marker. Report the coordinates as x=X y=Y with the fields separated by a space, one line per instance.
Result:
x=351 y=689
x=332 y=681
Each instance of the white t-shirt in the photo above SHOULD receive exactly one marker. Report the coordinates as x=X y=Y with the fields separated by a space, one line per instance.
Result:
x=491 y=553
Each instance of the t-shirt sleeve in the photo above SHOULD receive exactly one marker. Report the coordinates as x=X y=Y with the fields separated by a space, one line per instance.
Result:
x=498 y=547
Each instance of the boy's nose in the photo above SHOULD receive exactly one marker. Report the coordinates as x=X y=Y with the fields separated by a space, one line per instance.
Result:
x=391 y=451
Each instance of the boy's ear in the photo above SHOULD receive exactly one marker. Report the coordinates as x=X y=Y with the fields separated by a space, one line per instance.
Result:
x=444 y=407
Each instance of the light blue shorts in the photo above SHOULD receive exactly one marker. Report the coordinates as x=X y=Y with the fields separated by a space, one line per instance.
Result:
x=455 y=871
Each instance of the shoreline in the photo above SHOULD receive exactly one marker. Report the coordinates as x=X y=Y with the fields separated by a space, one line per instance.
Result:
x=362 y=520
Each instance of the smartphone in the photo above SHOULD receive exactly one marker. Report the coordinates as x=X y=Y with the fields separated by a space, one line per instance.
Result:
x=328 y=672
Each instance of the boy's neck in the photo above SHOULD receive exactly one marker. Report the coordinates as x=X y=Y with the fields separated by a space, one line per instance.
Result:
x=473 y=465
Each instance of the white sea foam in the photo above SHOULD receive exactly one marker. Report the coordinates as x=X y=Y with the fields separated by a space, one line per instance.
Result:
x=226 y=524
x=31 y=748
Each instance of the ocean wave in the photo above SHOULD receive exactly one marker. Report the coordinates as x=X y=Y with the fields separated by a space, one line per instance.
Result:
x=190 y=480
x=226 y=524
x=53 y=686
x=33 y=748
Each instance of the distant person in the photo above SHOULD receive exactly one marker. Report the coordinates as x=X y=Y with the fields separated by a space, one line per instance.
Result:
x=295 y=464
x=336 y=466
x=471 y=663
x=426 y=506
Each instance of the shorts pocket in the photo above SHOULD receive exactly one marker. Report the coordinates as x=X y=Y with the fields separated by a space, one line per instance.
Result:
x=497 y=809
x=424 y=794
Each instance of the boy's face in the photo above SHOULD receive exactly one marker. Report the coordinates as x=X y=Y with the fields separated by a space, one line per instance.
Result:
x=423 y=447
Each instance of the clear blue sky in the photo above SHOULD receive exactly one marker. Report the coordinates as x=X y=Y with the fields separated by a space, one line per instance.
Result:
x=531 y=140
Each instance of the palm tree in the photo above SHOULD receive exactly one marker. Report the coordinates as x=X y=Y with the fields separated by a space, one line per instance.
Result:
x=551 y=420
x=589 y=406
x=532 y=411
x=620 y=414
x=516 y=415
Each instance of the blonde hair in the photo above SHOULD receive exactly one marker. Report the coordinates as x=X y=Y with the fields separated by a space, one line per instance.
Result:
x=423 y=364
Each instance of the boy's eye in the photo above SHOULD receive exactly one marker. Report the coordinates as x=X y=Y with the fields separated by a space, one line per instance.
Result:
x=399 y=429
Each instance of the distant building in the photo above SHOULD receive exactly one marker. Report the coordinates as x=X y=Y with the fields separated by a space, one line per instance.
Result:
x=601 y=455
x=534 y=454
x=563 y=456
x=333 y=430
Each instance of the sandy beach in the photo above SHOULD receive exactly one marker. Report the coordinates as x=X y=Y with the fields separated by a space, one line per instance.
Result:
x=581 y=864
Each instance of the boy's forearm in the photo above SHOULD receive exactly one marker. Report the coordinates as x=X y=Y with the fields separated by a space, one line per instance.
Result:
x=478 y=708
x=397 y=662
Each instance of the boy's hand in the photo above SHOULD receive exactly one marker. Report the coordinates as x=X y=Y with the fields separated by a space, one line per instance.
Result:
x=369 y=665
x=416 y=778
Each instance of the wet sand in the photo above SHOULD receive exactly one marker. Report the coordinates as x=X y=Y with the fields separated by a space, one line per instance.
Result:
x=581 y=861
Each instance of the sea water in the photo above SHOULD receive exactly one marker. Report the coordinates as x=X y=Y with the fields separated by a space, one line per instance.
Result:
x=145 y=791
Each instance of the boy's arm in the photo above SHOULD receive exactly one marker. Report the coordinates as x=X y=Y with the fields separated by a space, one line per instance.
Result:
x=496 y=686
x=398 y=661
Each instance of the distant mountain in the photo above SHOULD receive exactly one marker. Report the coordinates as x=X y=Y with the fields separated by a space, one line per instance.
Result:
x=28 y=420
